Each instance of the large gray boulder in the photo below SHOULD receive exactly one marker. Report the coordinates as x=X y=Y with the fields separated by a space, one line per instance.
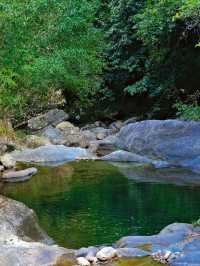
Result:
x=18 y=220
x=23 y=242
x=53 y=117
x=174 y=141
x=50 y=154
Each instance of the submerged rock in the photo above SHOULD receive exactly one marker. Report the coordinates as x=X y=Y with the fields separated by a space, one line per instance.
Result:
x=50 y=153
x=172 y=234
x=141 y=172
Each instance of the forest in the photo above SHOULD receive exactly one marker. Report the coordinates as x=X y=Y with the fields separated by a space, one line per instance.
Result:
x=100 y=58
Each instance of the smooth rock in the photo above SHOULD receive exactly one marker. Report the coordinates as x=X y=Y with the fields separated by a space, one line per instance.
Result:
x=23 y=242
x=18 y=220
x=174 y=141
x=18 y=176
x=53 y=117
x=50 y=154
x=8 y=161
x=83 y=252
x=106 y=253
x=83 y=261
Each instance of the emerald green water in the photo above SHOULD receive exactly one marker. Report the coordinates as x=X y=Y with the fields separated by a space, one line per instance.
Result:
x=89 y=203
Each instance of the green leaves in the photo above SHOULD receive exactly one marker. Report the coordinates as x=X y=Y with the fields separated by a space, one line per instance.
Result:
x=50 y=44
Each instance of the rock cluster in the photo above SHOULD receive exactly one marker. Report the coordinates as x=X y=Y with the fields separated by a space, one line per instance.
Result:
x=52 y=128
x=177 y=244
x=96 y=255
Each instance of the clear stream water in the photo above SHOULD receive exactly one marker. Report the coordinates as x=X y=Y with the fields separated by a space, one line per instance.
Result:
x=91 y=203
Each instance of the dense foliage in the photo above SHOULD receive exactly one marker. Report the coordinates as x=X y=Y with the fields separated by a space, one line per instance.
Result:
x=47 y=46
x=149 y=51
x=154 y=51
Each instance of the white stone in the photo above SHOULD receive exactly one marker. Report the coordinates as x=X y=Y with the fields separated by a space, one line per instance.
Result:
x=82 y=261
x=7 y=161
x=106 y=253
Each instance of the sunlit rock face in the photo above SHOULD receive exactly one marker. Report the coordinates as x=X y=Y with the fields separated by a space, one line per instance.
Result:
x=174 y=141
x=22 y=241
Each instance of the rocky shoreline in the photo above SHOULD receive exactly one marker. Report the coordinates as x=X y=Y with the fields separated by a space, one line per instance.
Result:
x=53 y=140
x=23 y=242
